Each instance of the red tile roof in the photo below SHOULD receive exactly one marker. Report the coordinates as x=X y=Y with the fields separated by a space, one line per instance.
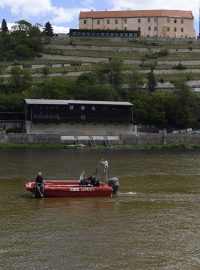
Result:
x=136 y=13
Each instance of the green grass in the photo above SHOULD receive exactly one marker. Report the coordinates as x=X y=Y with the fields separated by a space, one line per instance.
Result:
x=35 y=146
x=115 y=146
x=158 y=146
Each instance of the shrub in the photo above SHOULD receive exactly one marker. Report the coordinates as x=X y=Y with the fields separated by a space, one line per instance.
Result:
x=45 y=71
x=179 y=66
x=161 y=80
x=163 y=52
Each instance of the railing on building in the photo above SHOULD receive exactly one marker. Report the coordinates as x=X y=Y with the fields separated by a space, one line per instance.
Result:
x=104 y=33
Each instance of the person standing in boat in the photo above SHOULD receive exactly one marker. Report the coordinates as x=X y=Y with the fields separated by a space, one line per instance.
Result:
x=39 y=184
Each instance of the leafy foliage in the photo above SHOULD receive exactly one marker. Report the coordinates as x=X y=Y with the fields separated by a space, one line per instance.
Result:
x=4 y=27
x=48 y=29
x=20 y=79
x=151 y=81
x=24 y=41
x=110 y=72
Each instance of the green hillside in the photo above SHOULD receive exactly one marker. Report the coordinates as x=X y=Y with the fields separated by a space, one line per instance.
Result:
x=157 y=76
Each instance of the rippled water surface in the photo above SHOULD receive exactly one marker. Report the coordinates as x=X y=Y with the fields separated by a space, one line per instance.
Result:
x=152 y=223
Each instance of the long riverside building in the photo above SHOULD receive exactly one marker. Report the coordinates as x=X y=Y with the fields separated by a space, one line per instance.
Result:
x=78 y=117
x=150 y=23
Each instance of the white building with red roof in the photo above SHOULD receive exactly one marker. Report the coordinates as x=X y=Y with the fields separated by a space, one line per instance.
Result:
x=150 y=23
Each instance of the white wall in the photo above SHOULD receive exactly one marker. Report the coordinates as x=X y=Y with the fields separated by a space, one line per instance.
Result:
x=79 y=129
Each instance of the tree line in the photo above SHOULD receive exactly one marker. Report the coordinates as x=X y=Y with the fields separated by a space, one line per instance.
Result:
x=176 y=108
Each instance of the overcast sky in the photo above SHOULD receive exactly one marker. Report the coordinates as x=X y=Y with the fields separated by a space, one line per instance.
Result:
x=63 y=14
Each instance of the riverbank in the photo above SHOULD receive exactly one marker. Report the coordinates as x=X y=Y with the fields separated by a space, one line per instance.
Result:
x=73 y=146
x=123 y=141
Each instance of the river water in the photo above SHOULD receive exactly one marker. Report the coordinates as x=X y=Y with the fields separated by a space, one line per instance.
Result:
x=152 y=223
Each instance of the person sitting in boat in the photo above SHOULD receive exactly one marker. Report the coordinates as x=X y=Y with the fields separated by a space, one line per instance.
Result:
x=93 y=181
x=39 y=184
x=84 y=181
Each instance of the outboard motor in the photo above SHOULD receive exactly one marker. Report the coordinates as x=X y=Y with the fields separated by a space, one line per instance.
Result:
x=114 y=183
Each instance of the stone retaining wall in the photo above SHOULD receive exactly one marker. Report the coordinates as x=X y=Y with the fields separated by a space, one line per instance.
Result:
x=140 y=139
x=159 y=138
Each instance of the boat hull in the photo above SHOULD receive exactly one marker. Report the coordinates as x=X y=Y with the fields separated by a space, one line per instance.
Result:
x=71 y=188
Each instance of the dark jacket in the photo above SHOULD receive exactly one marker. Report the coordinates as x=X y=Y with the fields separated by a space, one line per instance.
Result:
x=39 y=180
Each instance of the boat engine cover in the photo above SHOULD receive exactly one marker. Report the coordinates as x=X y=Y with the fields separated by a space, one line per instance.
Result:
x=114 y=183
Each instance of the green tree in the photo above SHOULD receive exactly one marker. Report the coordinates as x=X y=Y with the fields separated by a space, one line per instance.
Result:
x=110 y=72
x=20 y=79
x=141 y=101
x=115 y=75
x=56 y=88
x=9 y=102
x=186 y=106
x=135 y=80
x=24 y=41
x=85 y=80
x=22 y=25
x=48 y=30
x=102 y=92
x=151 y=81
x=4 y=27
x=45 y=71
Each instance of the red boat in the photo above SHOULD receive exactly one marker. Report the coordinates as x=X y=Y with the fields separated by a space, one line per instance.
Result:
x=85 y=187
x=70 y=188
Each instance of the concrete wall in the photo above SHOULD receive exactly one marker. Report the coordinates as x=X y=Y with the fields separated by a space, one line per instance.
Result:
x=141 y=139
x=160 y=138
x=78 y=129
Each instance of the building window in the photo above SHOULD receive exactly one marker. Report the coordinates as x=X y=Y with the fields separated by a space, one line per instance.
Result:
x=139 y=20
x=149 y=19
x=93 y=108
x=174 y=29
x=116 y=21
x=108 y=21
x=155 y=20
x=182 y=21
x=182 y=30
x=168 y=20
x=85 y=21
x=149 y=28
x=175 y=20
x=82 y=108
x=138 y=28
x=82 y=117
x=125 y=20
x=71 y=107
x=98 y=21
x=168 y=29
x=125 y=28
x=155 y=28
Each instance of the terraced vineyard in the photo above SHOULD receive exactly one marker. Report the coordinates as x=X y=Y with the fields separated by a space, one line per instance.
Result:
x=172 y=59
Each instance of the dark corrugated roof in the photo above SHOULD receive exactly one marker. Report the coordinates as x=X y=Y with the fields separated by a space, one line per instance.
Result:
x=67 y=102
x=136 y=13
